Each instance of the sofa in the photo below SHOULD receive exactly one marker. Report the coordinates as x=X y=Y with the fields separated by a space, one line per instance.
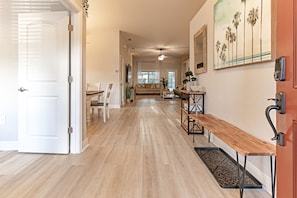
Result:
x=147 y=89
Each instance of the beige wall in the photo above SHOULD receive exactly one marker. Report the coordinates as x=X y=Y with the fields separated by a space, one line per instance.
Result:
x=103 y=58
x=237 y=95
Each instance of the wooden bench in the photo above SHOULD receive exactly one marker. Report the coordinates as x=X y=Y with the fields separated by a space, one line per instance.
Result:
x=239 y=140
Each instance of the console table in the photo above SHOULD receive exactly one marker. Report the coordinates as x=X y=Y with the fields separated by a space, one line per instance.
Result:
x=192 y=102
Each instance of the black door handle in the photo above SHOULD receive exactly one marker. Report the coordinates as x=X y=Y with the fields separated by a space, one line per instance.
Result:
x=280 y=106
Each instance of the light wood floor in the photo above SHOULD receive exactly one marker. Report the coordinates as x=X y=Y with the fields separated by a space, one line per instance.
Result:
x=141 y=152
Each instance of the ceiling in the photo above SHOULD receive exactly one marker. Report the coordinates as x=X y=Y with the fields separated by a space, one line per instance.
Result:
x=147 y=25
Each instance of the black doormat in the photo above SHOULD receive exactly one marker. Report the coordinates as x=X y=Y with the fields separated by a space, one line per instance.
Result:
x=224 y=168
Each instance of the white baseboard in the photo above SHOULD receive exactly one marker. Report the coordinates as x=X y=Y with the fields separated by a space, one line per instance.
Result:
x=115 y=106
x=85 y=144
x=9 y=145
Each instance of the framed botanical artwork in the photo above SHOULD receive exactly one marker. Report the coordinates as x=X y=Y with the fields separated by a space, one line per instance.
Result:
x=243 y=32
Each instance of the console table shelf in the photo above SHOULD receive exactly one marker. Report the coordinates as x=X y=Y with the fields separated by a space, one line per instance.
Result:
x=192 y=102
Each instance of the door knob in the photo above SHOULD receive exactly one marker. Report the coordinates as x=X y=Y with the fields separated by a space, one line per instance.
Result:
x=22 y=89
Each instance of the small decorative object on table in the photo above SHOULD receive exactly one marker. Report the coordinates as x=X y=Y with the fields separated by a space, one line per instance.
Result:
x=189 y=80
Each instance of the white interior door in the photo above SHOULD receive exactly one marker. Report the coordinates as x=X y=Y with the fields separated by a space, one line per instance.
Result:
x=43 y=82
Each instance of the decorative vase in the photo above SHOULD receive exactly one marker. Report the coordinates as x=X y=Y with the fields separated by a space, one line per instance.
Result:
x=189 y=84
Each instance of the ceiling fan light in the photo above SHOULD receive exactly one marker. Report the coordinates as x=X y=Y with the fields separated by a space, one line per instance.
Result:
x=161 y=57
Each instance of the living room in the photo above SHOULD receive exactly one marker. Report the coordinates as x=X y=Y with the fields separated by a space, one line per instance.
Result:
x=157 y=70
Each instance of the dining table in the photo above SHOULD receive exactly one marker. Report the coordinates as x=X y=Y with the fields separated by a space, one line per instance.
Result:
x=89 y=96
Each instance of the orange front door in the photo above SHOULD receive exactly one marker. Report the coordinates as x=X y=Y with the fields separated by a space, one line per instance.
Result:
x=287 y=123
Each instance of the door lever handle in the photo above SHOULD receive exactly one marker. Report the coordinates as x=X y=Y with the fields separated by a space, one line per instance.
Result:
x=22 y=89
x=267 y=111
x=279 y=137
x=280 y=106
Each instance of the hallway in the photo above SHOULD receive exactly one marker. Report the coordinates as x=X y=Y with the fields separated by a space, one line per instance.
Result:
x=140 y=152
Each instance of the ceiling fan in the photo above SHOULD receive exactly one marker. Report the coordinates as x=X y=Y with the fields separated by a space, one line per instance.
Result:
x=159 y=51
x=161 y=55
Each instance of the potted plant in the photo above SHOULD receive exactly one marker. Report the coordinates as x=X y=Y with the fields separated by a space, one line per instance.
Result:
x=164 y=82
x=128 y=94
x=190 y=78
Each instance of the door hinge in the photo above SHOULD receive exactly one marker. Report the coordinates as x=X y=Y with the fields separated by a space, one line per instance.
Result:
x=70 y=130
x=70 y=79
x=70 y=28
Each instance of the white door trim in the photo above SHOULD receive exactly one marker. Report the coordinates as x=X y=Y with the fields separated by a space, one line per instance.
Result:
x=77 y=106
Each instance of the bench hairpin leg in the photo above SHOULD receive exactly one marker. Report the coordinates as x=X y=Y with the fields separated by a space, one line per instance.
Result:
x=238 y=170
x=272 y=176
x=241 y=183
x=243 y=176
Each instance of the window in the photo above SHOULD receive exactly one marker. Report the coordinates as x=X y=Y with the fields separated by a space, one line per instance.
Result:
x=171 y=80
x=145 y=77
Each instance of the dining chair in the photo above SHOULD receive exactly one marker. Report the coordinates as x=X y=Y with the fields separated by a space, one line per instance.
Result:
x=94 y=86
x=103 y=105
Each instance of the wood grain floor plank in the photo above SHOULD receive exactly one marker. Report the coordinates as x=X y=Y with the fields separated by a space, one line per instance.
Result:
x=140 y=152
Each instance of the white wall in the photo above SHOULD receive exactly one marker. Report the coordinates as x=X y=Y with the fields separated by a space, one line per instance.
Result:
x=103 y=58
x=238 y=95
